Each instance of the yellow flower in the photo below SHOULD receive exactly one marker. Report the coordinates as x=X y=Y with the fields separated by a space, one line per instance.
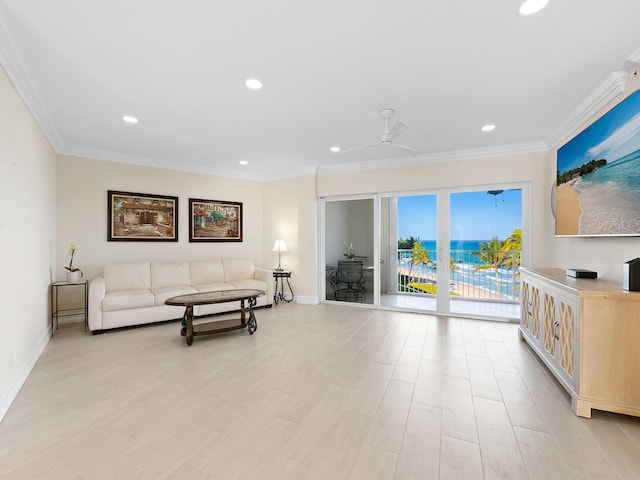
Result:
x=72 y=249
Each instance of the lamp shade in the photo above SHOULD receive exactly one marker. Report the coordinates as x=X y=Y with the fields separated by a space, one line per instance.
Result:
x=280 y=246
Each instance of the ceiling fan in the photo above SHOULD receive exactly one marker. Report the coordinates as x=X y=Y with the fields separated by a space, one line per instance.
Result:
x=389 y=134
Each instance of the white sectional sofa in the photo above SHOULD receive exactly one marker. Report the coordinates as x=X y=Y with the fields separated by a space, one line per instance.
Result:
x=134 y=293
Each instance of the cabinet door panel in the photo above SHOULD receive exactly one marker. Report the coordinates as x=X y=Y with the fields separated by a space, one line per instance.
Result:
x=566 y=329
x=549 y=323
x=535 y=312
x=526 y=307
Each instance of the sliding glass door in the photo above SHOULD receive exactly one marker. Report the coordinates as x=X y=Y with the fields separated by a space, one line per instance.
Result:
x=411 y=245
x=486 y=245
x=448 y=251
x=349 y=250
x=455 y=252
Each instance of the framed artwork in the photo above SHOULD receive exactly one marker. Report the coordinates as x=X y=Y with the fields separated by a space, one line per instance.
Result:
x=142 y=217
x=214 y=221
x=598 y=176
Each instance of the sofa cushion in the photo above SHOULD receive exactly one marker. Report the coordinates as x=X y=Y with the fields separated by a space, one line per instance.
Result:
x=238 y=269
x=213 y=287
x=123 y=300
x=209 y=271
x=250 y=284
x=170 y=274
x=127 y=276
x=161 y=294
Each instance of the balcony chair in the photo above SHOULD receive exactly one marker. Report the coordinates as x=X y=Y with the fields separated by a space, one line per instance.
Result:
x=350 y=282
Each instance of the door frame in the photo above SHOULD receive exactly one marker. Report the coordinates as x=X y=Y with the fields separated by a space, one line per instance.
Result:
x=442 y=234
x=322 y=250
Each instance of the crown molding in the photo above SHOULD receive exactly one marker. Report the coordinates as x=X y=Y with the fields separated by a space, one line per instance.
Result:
x=634 y=57
x=143 y=161
x=21 y=80
x=605 y=93
x=119 y=157
x=454 y=155
x=294 y=173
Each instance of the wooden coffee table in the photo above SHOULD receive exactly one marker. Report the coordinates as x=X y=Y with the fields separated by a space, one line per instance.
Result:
x=189 y=330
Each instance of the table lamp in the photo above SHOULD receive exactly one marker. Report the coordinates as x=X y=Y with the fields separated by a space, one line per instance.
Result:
x=281 y=247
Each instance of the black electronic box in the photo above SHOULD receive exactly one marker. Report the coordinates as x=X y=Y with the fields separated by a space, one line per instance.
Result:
x=580 y=273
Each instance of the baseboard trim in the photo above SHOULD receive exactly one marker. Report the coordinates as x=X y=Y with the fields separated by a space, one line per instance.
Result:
x=16 y=384
x=307 y=300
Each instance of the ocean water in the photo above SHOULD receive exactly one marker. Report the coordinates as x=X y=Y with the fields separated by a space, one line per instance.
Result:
x=430 y=245
x=610 y=198
x=467 y=271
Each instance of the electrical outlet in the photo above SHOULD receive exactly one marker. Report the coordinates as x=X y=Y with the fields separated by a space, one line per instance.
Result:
x=635 y=73
x=10 y=360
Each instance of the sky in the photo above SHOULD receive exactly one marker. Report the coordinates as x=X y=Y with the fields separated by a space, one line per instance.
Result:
x=614 y=135
x=474 y=215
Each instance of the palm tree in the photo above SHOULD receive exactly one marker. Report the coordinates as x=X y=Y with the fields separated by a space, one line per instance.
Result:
x=408 y=243
x=514 y=244
x=493 y=256
x=419 y=255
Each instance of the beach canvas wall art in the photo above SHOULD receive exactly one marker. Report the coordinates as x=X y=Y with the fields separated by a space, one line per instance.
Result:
x=598 y=176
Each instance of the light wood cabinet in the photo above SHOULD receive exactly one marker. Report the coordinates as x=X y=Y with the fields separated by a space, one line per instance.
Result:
x=587 y=332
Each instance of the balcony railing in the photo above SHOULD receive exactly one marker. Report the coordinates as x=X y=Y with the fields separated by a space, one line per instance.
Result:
x=474 y=274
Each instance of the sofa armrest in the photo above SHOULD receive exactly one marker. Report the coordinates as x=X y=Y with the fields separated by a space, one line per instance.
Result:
x=97 y=291
x=267 y=277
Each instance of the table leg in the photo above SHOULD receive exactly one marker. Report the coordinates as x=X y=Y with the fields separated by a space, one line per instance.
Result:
x=187 y=325
x=243 y=318
x=290 y=290
x=252 y=326
x=275 y=292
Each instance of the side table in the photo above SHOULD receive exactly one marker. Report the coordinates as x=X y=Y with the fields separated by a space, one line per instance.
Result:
x=278 y=291
x=57 y=312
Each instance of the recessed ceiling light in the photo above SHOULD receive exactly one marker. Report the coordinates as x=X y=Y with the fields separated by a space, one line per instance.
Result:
x=243 y=162
x=129 y=119
x=529 y=7
x=335 y=149
x=253 y=83
x=488 y=128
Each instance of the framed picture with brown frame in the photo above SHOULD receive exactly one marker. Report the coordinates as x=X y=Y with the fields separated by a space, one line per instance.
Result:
x=214 y=221
x=142 y=217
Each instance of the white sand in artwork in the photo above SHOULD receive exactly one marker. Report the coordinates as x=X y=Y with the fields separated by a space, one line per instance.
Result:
x=568 y=209
x=608 y=208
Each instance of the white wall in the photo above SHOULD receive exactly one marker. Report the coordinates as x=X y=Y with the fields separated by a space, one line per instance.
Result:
x=605 y=255
x=82 y=214
x=27 y=240
x=290 y=214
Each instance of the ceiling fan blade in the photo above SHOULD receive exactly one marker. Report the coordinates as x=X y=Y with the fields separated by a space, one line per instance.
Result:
x=360 y=147
x=397 y=129
x=406 y=148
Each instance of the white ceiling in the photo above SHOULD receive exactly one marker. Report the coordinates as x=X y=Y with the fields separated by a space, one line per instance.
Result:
x=447 y=67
